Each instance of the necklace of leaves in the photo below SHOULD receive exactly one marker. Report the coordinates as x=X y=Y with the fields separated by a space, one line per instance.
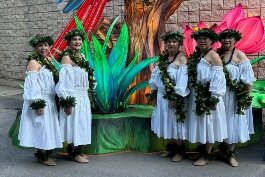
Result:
x=170 y=84
x=243 y=99
x=205 y=102
x=45 y=62
x=80 y=61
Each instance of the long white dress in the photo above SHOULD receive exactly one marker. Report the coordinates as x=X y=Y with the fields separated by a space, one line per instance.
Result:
x=164 y=122
x=75 y=128
x=208 y=128
x=238 y=126
x=42 y=132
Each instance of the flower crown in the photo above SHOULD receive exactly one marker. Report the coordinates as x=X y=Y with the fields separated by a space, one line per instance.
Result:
x=205 y=32
x=230 y=33
x=173 y=35
x=40 y=39
x=74 y=32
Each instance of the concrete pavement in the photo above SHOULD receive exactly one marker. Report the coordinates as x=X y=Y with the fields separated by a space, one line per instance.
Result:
x=15 y=162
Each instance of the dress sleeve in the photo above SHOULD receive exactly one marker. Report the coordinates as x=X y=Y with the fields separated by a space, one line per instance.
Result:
x=181 y=80
x=218 y=81
x=246 y=73
x=32 y=89
x=153 y=79
x=65 y=86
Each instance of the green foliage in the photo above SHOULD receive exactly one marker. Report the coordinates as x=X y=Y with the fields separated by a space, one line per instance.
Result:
x=258 y=90
x=243 y=99
x=258 y=93
x=37 y=104
x=112 y=76
x=205 y=102
x=257 y=60
x=69 y=101
x=170 y=84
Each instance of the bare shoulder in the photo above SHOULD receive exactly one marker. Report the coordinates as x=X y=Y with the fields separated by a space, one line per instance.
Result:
x=66 y=60
x=241 y=56
x=33 y=65
x=215 y=58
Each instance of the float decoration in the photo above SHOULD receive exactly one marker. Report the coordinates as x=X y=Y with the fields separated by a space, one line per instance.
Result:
x=252 y=29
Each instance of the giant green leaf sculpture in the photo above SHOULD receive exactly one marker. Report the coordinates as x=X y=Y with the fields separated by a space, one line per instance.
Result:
x=112 y=76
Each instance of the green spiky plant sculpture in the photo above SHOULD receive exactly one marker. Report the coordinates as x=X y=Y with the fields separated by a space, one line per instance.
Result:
x=113 y=78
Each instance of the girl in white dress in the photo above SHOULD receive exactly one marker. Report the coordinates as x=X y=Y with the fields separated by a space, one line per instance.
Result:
x=206 y=111
x=75 y=113
x=239 y=73
x=169 y=81
x=39 y=125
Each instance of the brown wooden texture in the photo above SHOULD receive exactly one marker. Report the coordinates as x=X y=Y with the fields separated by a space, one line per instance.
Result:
x=147 y=23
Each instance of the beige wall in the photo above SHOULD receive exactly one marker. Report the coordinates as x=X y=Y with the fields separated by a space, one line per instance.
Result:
x=21 y=19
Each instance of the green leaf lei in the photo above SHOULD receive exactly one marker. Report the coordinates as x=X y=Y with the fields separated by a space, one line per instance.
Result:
x=44 y=62
x=205 y=102
x=37 y=104
x=169 y=84
x=242 y=96
x=79 y=61
x=68 y=101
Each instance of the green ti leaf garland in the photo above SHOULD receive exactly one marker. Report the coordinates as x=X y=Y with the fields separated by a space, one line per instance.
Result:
x=243 y=98
x=205 y=103
x=169 y=84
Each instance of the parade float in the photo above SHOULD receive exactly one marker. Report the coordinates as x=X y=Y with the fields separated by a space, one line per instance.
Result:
x=121 y=117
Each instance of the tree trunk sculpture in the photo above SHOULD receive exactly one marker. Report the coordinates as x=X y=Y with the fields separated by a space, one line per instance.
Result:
x=146 y=21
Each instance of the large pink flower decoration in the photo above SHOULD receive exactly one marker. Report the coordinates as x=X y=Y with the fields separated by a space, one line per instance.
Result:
x=252 y=29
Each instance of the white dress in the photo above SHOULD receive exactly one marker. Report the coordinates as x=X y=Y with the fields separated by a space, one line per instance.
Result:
x=208 y=128
x=42 y=132
x=75 y=128
x=164 y=122
x=238 y=126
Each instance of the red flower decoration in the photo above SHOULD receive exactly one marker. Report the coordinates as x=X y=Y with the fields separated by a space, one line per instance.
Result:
x=252 y=29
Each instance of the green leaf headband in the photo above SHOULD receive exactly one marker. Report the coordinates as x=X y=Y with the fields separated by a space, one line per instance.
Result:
x=206 y=32
x=74 y=32
x=173 y=35
x=230 y=33
x=40 y=39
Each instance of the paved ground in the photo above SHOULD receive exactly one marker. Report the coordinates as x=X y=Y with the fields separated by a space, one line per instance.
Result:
x=20 y=162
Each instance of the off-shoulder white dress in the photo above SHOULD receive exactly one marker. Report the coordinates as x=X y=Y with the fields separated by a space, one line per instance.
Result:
x=238 y=126
x=208 y=128
x=42 y=132
x=75 y=128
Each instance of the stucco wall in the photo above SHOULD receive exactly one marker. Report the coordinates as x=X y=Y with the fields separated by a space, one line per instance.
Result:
x=21 y=19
